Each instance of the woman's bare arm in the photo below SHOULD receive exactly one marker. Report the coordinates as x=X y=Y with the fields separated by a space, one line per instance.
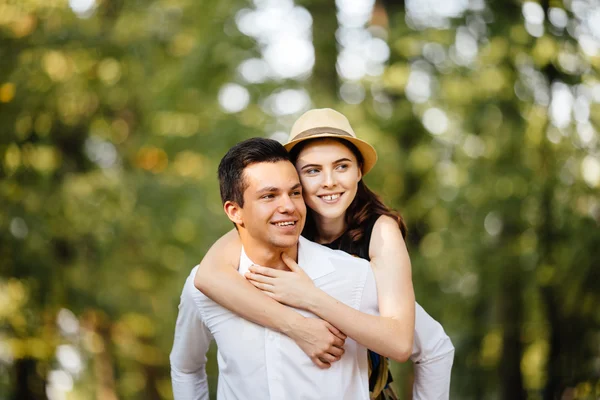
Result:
x=393 y=275
x=218 y=279
x=391 y=333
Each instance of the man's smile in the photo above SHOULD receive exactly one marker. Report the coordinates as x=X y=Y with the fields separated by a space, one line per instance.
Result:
x=286 y=223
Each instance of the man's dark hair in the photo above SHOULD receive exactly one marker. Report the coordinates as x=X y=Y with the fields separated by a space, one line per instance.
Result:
x=240 y=156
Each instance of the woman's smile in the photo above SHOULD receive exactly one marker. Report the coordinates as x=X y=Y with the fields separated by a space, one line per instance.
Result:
x=330 y=198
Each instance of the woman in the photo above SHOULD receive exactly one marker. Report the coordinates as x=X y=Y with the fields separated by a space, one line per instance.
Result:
x=344 y=214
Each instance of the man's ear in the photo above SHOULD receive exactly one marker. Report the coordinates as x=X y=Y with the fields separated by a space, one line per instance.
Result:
x=234 y=212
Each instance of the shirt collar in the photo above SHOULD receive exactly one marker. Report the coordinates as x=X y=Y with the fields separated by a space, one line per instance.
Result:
x=311 y=258
x=245 y=262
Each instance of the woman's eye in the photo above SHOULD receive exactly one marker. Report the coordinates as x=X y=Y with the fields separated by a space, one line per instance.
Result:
x=312 y=171
x=343 y=166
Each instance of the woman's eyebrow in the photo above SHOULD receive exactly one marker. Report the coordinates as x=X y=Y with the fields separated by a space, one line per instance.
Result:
x=310 y=165
x=342 y=159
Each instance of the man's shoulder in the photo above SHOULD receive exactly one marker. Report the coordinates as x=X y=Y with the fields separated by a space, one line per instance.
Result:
x=190 y=278
x=189 y=290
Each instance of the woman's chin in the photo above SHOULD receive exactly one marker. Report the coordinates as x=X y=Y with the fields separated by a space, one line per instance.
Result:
x=329 y=212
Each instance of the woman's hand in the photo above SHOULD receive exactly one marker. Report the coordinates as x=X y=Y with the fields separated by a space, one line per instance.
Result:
x=293 y=288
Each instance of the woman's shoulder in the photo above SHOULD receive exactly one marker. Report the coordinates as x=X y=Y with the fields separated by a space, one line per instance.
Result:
x=386 y=232
x=385 y=222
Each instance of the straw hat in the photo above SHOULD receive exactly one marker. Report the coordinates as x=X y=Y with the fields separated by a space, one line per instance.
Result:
x=324 y=123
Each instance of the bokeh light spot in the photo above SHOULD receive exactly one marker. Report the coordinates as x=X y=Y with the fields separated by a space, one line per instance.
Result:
x=83 y=8
x=352 y=92
x=493 y=224
x=435 y=121
x=69 y=358
x=67 y=322
x=19 y=228
x=287 y=102
x=590 y=170
x=233 y=98
x=7 y=92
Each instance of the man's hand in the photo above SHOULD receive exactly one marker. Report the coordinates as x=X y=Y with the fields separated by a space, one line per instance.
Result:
x=320 y=340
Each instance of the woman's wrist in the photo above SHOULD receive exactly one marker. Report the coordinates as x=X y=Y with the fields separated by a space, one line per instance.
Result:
x=313 y=299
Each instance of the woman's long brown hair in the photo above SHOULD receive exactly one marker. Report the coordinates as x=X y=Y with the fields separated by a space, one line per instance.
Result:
x=366 y=203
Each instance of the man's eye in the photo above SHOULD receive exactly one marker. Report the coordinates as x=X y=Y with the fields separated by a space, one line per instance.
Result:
x=297 y=193
x=267 y=196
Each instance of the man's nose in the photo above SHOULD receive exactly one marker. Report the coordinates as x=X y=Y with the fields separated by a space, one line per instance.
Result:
x=286 y=205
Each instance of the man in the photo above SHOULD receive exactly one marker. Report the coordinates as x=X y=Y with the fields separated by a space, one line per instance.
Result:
x=262 y=196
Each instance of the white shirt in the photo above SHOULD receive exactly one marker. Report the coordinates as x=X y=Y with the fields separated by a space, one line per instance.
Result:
x=258 y=363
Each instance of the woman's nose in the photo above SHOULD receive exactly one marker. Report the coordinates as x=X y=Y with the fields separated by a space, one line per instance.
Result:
x=329 y=179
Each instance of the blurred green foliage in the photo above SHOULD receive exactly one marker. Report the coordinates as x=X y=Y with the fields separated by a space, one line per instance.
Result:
x=111 y=132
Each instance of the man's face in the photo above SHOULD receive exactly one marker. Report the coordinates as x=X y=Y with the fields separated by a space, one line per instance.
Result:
x=274 y=212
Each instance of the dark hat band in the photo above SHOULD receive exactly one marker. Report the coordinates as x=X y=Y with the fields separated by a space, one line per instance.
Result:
x=321 y=129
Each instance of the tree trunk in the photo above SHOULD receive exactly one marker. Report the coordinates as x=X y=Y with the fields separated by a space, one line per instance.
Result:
x=546 y=234
x=103 y=361
x=511 y=381
x=152 y=374
x=29 y=384
x=324 y=80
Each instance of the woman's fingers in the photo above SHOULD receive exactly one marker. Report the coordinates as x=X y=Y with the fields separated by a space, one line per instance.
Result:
x=262 y=286
x=257 y=269
x=259 y=278
x=292 y=265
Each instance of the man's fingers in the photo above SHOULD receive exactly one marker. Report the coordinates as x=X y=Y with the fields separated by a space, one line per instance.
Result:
x=337 y=342
x=329 y=358
x=336 y=351
x=320 y=363
x=333 y=329
x=336 y=331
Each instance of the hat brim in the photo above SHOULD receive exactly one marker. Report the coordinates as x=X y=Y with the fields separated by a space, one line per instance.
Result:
x=366 y=150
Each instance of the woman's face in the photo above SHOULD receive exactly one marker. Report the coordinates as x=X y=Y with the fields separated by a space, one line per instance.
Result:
x=329 y=173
